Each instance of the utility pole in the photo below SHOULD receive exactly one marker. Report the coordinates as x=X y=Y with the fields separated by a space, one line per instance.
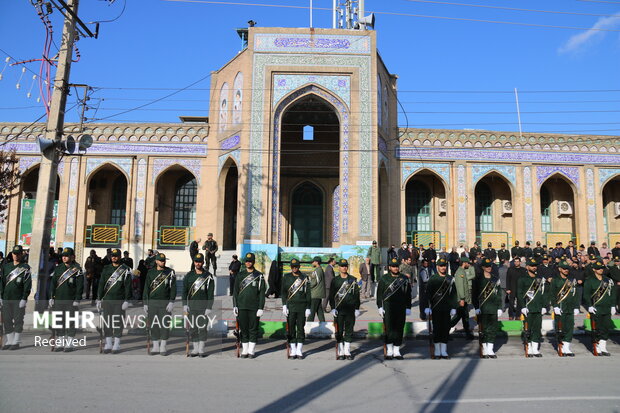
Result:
x=48 y=170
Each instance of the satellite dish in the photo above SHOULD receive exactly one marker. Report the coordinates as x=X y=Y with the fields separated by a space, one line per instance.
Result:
x=86 y=141
x=68 y=145
x=45 y=144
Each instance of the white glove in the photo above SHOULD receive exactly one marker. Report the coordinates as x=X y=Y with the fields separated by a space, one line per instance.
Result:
x=613 y=310
x=259 y=313
x=146 y=308
x=357 y=313
x=543 y=311
x=307 y=313
x=477 y=311
x=75 y=304
x=0 y=302
x=285 y=310
x=381 y=312
x=125 y=306
x=169 y=307
x=524 y=311
x=51 y=303
x=576 y=311
x=408 y=311
x=334 y=312
x=235 y=311
x=22 y=303
x=557 y=310
x=186 y=308
x=591 y=310
x=428 y=311
x=453 y=312
x=499 y=312
x=208 y=311
x=98 y=304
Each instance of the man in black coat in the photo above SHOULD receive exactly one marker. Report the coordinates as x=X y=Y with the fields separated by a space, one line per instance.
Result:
x=193 y=251
x=329 y=276
x=512 y=277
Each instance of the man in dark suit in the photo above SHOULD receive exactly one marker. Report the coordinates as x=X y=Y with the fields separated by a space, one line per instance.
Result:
x=512 y=277
x=592 y=250
x=329 y=276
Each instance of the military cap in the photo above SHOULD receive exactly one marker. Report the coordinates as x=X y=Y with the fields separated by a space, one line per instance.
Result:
x=250 y=257
x=199 y=258
x=316 y=259
x=67 y=252
x=343 y=263
x=531 y=262
x=18 y=249
x=592 y=257
x=598 y=264
x=394 y=263
x=210 y=234
x=116 y=252
x=160 y=257
x=442 y=262
x=503 y=244
x=545 y=257
x=465 y=259
x=564 y=265
x=490 y=244
x=616 y=258
x=486 y=263
x=295 y=263
x=516 y=242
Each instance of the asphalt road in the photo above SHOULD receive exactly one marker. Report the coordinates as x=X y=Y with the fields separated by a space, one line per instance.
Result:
x=35 y=380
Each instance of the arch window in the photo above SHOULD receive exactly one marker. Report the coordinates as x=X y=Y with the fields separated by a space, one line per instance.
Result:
x=119 y=201
x=418 y=208
x=545 y=209
x=185 y=202
x=484 y=208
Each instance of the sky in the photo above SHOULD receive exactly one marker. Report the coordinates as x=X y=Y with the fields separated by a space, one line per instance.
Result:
x=456 y=70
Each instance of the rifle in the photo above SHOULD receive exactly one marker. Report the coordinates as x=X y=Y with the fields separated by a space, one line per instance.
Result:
x=287 y=343
x=430 y=337
x=336 y=336
x=525 y=335
x=558 y=333
x=1 y=329
x=100 y=331
x=186 y=325
x=593 y=333
x=479 y=322
x=384 y=340
x=237 y=334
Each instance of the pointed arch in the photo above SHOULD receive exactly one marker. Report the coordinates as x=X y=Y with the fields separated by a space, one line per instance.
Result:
x=425 y=170
x=496 y=173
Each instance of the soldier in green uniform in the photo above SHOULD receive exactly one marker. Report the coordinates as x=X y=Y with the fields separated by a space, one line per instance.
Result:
x=532 y=297
x=296 y=301
x=15 y=286
x=344 y=299
x=394 y=303
x=565 y=305
x=463 y=278
x=248 y=302
x=198 y=294
x=599 y=295
x=441 y=293
x=114 y=293
x=317 y=290
x=614 y=274
x=66 y=292
x=488 y=303
x=160 y=292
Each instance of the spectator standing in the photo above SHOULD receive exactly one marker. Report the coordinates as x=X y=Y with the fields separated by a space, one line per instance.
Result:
x=512 y=278
x=365 y=273
x=233 y=270
x=454 y=261
x=374 y=252
x=93 y=267
x=329 y=276
x=605 y=250
x=127 y=260
x=317 y=290
x=462 y=280
x=193 y=251
x=593 y=250
x=391 y=253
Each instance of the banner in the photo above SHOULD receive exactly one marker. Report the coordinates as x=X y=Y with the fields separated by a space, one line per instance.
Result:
x=25 y=222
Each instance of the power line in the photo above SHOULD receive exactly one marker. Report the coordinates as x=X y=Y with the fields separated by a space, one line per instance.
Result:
x=401 y=14
x=512 y=8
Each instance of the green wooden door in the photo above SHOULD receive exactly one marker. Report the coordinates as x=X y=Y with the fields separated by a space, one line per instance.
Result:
x=307 y=216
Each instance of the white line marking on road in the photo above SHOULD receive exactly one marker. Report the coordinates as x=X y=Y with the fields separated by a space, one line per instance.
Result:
x=522 y=399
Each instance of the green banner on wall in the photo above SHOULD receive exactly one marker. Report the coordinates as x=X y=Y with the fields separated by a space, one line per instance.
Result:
x=25 y=222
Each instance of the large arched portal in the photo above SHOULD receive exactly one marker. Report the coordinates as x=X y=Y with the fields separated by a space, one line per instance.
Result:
x=493 y=202
x=309 y=168
x=231 y=184
x=611 y=210
x=175 y=208
x=27 y=201
x=425 y=209
x=557 y=210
